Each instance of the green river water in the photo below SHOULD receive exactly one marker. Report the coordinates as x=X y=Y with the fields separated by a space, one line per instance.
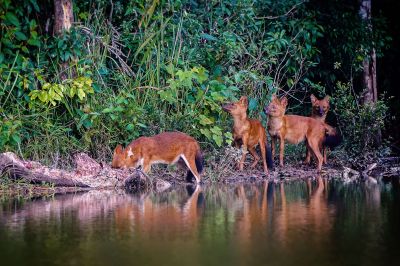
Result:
x=306 y=222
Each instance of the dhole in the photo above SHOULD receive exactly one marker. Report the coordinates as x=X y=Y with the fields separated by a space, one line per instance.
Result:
x=295 y=128
x=320 y=109
x=248 y=133
x=165 y=148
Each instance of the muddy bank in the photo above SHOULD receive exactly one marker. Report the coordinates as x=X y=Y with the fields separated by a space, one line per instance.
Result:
x=287 y=173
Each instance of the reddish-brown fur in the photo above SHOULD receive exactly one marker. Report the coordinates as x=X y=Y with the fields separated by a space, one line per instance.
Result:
x=320 y=109
x=294 y=129
x=247 y=132
x=166 y=148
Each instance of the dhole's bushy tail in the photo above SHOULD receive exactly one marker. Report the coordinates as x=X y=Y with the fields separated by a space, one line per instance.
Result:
x=332 y=137
x=199 y=160
x=270 y=160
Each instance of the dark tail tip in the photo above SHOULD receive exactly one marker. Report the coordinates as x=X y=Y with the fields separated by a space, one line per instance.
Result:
x=199 y=160
x=332 y=141
x=270 y=160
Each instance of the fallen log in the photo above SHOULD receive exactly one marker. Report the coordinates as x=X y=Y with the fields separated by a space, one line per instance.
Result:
x=87 y=174
x=15 y=169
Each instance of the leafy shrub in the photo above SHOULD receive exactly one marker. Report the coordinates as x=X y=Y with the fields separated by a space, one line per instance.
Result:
x=360 y=124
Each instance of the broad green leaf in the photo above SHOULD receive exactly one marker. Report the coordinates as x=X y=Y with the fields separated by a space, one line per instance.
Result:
x=130 y=127
x=16 y=138
x=34 y=42
x=20 y=36
x=119 y=109
x=81 y=94
x=107 y=110
x=43 y=96
x=12 y=19
x=218 y=139
x=252 y=104
x=206 y=132
x=216 y=130
x=208 y=37
x=25 y=49
x=35 y=5
x=204 y=120
x=87 y=123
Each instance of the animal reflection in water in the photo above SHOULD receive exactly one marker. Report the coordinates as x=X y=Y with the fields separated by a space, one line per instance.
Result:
x=148 y=212
x=282 y=213
x=162 y=216
x=268 y=212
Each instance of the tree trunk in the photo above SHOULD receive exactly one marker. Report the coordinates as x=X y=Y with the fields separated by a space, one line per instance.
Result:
x=370 y=90
x=64 y=18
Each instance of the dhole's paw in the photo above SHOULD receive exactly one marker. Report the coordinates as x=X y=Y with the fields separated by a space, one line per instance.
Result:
x=240 y=166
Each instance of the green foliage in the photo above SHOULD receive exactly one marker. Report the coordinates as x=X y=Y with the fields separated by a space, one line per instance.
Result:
x=202 y=99
x=10 y=133
x=53 y=92
x=361 y=125
x=152 y=66
x=348 y=41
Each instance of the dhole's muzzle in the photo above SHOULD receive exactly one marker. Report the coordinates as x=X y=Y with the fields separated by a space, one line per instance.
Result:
x=228 y=107
x=266 y=109
x=321 y=111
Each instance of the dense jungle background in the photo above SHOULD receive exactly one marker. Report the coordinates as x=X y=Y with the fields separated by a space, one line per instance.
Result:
x=118 y=69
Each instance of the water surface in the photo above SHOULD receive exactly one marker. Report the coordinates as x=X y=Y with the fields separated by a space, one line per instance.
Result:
x=310 y=222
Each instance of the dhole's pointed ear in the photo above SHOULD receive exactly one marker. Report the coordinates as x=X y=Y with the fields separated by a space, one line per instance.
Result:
x=244 y=100
x=118 y=149
x=284 y=101
x=327 y=98
x=273 y=97
x=313 y=98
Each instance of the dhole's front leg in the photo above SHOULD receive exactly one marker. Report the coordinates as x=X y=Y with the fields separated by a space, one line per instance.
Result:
x=146 y=166
x=245 y=140
x=264 y=155
x=317 y=153
x=273 y=144
x=281 y=149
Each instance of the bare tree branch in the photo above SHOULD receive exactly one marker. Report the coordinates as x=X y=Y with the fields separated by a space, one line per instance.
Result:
x=284 y=15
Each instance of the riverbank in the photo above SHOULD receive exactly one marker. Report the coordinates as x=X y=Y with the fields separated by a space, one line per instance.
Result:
x=30 y=178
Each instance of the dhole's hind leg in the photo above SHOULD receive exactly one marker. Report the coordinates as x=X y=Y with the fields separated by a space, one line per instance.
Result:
x=191 y=164
x=308 y=154
x=255 y=156
x=281 y=150
x=325 y=151
x=315 y=149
